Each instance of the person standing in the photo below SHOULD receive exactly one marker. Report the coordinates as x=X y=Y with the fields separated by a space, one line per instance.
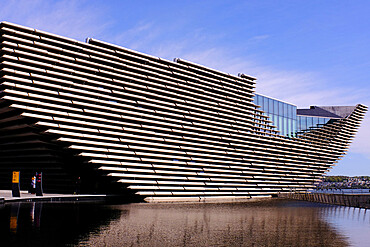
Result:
x=33 y=185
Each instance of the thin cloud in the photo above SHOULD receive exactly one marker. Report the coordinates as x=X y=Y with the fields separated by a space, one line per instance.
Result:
x=259 y=37
x=75 y=19
x=140 y=37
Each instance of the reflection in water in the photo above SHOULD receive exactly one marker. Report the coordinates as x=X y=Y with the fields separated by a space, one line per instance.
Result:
x=35 y=213
x=267 y=223
x=264 y=223
x=14 y=218
x=351 y=220
x=52 y=224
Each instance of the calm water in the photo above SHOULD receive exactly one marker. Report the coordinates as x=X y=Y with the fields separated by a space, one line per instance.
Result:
x=274 y=222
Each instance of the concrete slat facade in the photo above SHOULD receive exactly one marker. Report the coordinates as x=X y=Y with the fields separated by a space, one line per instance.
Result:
x=166 y=130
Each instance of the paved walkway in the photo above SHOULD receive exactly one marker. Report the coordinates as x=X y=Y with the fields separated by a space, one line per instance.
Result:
x=6 y=196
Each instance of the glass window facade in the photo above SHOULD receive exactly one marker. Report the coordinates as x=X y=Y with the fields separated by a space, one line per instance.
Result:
x=283 y=115
x=307 y=122
x=285 y=118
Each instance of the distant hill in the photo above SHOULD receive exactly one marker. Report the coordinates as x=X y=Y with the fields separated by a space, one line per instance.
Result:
x=344 y=182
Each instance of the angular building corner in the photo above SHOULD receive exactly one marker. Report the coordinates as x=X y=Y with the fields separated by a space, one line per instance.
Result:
x=162 y=130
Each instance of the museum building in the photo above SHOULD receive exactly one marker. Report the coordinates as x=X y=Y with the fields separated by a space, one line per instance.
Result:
x=162 y=130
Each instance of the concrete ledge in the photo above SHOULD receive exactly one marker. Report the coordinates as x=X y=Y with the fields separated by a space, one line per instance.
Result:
x=205 y=199
x=6 y=196
x=56 y=198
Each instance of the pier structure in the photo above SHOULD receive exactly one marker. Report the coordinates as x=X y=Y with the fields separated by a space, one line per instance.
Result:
x=361 y=200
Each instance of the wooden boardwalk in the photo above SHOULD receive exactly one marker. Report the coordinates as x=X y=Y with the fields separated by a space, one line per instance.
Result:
x=349 y=200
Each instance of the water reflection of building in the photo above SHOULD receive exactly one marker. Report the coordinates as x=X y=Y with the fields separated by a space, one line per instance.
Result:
x=165 y=130
x=256 y=224
x=13 y=218
x=52 y=224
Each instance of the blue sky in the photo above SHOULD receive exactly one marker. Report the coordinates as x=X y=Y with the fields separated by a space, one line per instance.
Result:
x=303 y=52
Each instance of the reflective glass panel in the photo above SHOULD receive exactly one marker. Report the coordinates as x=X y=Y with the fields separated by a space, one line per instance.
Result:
x=281 y=111
x=285 y=110
x=281 y=125
x=294 y=124
x=271 y=105
x=285 y=126
x=270 y=115
x=315 y=121
x=265 y=104
x=289 y=127
x=275 y=120
x=276 y=107
x=291 y=108
x=259 y=100
x=309 y=122
x=303 y=123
